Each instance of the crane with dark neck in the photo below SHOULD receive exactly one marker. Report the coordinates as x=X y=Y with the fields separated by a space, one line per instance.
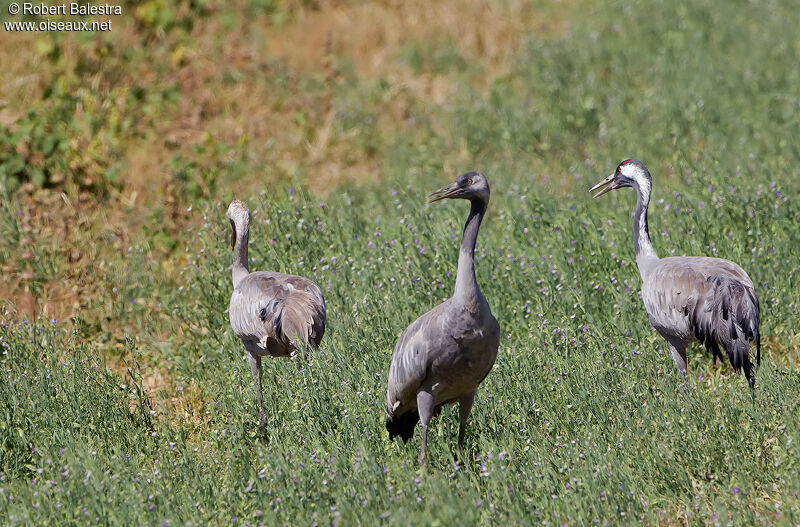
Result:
x=444 y=355
x=466 y=288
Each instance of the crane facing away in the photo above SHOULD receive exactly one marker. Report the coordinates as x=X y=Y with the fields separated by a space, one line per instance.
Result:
x=690 y=298
x=443 y=356
x=272 y=313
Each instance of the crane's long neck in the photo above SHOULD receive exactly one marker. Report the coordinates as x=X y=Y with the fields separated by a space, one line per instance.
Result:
x=467 y=289
x=240 y=267
x=641 y=234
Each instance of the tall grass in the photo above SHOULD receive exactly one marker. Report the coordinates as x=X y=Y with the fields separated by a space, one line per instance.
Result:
x=581 y=421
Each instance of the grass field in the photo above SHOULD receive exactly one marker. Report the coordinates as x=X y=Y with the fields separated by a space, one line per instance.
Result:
x=124 y=397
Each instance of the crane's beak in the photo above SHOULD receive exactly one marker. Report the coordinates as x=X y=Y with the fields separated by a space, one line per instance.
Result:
x=233 y=237
x=606 y=181
x=445 y=192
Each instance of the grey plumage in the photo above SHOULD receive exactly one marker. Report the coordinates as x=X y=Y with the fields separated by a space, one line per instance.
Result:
x=272 y=313
x=444 y=355
x=690 y=298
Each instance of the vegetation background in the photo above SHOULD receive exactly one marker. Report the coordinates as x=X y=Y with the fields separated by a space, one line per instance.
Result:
x=124 y=397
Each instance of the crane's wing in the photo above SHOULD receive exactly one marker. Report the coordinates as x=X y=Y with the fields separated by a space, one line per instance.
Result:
x=409 y=368
x=303 y=318
x=710 y=299
x=729 y=314
x=669 y=292
x=713 y=266
x=286 y=308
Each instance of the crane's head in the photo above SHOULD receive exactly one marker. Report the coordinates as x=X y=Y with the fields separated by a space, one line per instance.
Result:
x=471 y=186
x=628 y=173
x=239 y=215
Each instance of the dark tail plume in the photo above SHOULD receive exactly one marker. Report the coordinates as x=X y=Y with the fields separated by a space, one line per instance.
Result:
x=729 y=316
x=402 y=425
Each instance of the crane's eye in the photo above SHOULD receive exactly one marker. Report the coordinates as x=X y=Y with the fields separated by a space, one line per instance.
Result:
x=469 y=182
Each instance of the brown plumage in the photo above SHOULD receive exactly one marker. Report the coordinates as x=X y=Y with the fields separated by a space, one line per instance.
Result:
x=272 y=313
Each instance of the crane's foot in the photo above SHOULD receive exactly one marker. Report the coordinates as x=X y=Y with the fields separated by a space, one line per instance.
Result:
x=457 y=463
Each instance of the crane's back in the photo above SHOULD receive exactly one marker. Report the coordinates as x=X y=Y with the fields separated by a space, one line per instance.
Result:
x=284 y=308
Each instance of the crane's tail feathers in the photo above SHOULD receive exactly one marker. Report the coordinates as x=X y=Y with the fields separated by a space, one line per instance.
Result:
x=731 y=318
x=402 y=425
x=303 y=321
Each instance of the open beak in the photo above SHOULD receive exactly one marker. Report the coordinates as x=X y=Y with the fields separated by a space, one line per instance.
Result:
x=445 y=192
x=606 y=181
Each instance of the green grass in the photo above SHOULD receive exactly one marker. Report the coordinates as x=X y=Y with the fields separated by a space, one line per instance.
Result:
x=582 y=418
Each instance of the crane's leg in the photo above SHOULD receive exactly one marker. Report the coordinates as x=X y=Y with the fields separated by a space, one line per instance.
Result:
x=425 y=405
x=464 y=408
x=678 y=350
x=255 y=367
